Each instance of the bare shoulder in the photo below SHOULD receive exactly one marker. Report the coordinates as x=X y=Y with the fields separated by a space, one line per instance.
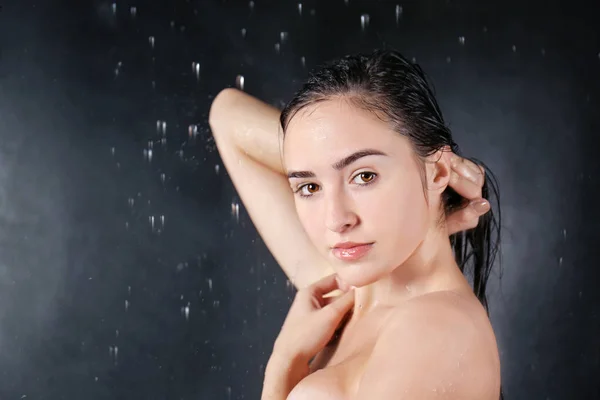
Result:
x=440 y=343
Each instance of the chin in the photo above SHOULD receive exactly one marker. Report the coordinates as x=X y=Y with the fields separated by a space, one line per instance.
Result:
x=360 y=273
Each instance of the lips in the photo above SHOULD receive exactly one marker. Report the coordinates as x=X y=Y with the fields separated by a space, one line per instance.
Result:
x=350 y=251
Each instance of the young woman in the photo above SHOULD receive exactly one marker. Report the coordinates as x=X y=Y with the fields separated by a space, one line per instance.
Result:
x=363 y=194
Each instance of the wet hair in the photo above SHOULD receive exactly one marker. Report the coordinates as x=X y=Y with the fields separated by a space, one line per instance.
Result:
x=398 y=91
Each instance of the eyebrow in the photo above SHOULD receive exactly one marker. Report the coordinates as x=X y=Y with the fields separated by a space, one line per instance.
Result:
x=339 y=165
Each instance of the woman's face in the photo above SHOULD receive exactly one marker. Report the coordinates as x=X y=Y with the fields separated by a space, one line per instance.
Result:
x=356 y=181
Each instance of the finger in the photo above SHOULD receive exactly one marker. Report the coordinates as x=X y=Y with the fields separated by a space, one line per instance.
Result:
x=468 y=217
x=324 y=286
x=465 y=187
x=339 y=306
x=468 y=169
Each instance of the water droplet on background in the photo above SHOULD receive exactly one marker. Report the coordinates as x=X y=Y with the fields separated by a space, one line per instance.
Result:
x=399 y=11
x=300 y=8
x=133 y=11
x=239 y=82
x=151 y=40
x=364 y=20
x=243 y=32
x=461 y=40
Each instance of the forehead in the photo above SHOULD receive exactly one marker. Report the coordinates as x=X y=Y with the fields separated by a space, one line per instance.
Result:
x=335 y=128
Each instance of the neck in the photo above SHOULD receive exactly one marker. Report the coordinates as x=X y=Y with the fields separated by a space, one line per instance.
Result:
x=430 y=268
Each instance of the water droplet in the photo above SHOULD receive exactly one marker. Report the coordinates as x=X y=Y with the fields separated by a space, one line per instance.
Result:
x=126 y=305
x=251 y=5
x=399 y=11
x=414 y=60
x=151 y=221
x=243 y=32
x=112 y=151
x=303 y=61
x=448 y=60
x=210 y=284
x=96 y=379
x=172 y=24
x=514 y=48
x=239 y=82
x=300 y=8
x=151 y=40
x=565 y=234
x=346 y=2
x=163 y=177
x=129 y=289
x=217 y=169
x=560 y=261
x=277 y=48
x=186 y=311
x=130 y=201
x=148 y=154
x=162 y=222
x=235 y=210
x=114 y=8
x=461 y=40
x=196 y=69
x=192 y=130
x=283 y=36
x=117 y=333
x=133 y=11
x=364 y=20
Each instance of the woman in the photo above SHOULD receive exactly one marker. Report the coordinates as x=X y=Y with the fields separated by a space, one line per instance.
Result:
x=359 y=196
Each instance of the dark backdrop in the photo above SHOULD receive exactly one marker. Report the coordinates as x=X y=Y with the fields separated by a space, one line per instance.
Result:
x=124 y=273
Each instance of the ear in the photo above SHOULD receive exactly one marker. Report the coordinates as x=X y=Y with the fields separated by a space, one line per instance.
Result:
x=439 y=170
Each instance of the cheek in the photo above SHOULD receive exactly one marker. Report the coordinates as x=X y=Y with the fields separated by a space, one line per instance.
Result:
x=401 y=215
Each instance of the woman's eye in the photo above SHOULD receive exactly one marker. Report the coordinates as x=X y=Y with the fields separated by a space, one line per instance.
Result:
x=364 y=178
x=309 y=189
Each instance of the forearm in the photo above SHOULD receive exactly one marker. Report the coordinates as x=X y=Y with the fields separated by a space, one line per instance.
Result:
x=250 y=125
x=281 y=376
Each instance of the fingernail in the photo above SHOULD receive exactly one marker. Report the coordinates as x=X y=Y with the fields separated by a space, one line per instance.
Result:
x=481 y=206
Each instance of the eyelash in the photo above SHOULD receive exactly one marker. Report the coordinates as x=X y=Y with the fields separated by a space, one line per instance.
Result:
x=299 y=189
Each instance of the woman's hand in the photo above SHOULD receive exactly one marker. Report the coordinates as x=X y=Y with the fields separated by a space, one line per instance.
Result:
x=466 y=179
x=312 y=320
x=308 y=327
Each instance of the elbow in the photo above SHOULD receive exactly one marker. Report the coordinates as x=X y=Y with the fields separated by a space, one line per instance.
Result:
x=221 y=107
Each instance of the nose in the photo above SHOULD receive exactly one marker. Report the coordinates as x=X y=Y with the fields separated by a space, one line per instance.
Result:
x=340 y=215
